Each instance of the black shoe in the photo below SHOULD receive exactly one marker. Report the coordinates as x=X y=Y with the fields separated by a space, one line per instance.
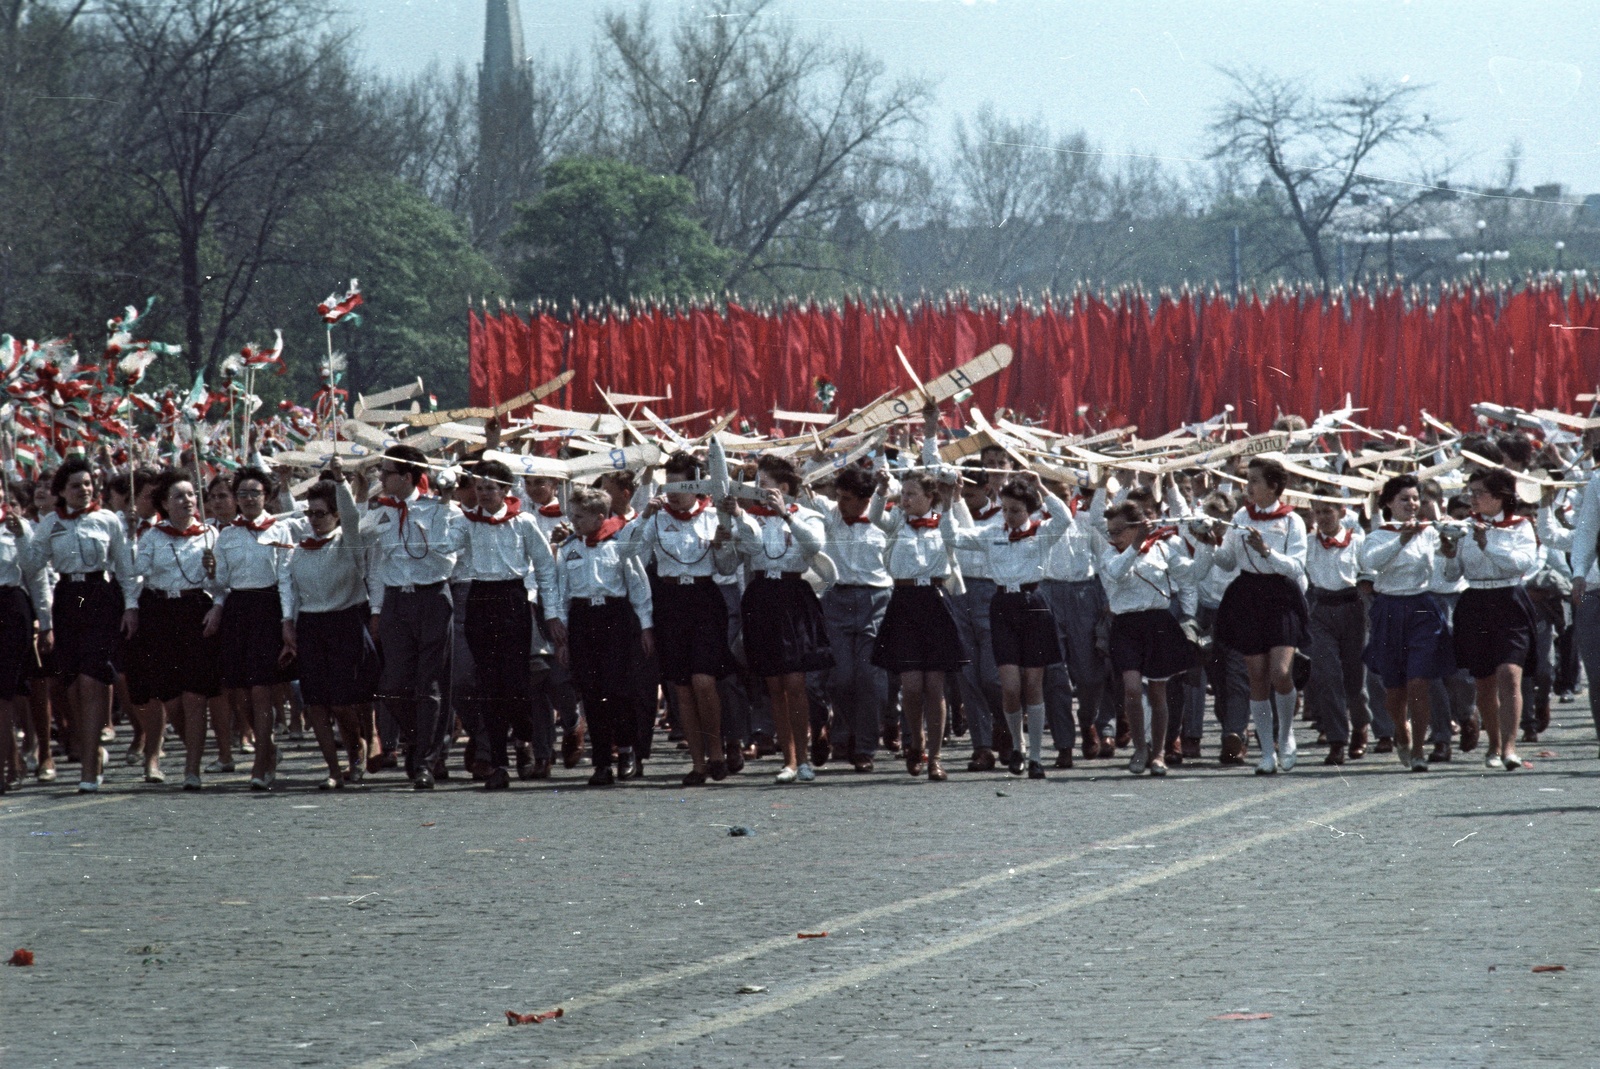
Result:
x=820 y=750
x=525 y=760
x=735 y=752
x=694 y=779
x=1014 y=762
x=439 y=771
x=1064 y=759
x=498 y=780
x=423 y=781
x=1441 y=753
x=625 y=765
x=1035 y=770
x=1335 y=754
x=717 y=770
x=603 y=777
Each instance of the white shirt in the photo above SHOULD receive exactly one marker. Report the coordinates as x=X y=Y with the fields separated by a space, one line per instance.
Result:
x=857 y=548
x=1509 y=553
x=17 y=569
x=916 y=549
x=974 y=564
x=411 y=542
x=94 y=541
x=173 y=563
x=1210 y=579
x=1400 y=570
x=1336 y=566
x=1585 y=533
x=1144 y=577
x=549 y=520
x=594 y=573
x=772 y=545
x=1013 y=558
x=331 y=576
x=511 y=547
x=1072 y=556
x=1285 y=537
x=683 y=548
x=257 y=559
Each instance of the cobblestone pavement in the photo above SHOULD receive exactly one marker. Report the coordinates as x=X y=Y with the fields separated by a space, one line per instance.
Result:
x=1380 y=918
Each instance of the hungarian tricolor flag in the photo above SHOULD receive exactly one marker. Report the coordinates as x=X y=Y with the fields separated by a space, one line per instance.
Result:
x=255 y=356
x=337 y=309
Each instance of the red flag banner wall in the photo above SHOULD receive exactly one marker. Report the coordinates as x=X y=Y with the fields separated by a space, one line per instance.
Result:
x=1119 y=358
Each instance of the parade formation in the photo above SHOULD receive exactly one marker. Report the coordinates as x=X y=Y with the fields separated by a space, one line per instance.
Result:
x=511 y=591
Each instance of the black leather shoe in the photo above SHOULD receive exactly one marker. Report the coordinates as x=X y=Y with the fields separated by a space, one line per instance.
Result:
x=717 y=770
x=735 y=752
x=1335 y=754
x=1064 y=759
x=1035 y=770
x=1014 y=763
x=625 y=765
x=498 y=780
x=423 y=781
x=982 y=760
x=1441 y=753
x=524 y=760
x=603 y=777
x=694 y=779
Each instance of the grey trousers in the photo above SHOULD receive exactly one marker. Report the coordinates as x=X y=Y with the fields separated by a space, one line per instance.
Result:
x=1337 y=695
x=1229 y=679
x=461 y=698
x=1454 y=698
x=1586 y=621
x=980 y=680
x=1077 y=607
x=857 y=688
x=415 y=634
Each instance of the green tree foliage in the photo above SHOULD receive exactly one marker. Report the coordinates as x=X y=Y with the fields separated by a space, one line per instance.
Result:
x=603 y=228
x=417 y=271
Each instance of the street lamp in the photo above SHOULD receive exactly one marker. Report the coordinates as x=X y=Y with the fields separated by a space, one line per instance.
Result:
x=1560 y=248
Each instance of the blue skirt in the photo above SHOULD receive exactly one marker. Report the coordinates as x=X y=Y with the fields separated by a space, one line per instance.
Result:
x=1409 y=638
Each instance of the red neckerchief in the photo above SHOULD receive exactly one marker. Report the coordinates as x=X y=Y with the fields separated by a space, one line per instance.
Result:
x=396 y=503
x=1336 y=543
x=927 y=522
x=1509 y=521
x=1160 y=534
x=315 y=543
x=66 y=514
x=476 y=515
x=700 y=504
x=1283 y=509
x=144 y=525
x=1023 y=532
x=988 y=513
x=608 y=530
x=762 y=510
x=863 y=518
x=240 y=521
x=551 y=510
x=190 y=531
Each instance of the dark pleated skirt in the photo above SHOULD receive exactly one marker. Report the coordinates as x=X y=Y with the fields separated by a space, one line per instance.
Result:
x=1262 y=612
x=919 y=633
x=783 y=627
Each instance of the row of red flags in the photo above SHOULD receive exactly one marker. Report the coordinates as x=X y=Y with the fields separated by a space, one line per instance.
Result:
x=1086 y=360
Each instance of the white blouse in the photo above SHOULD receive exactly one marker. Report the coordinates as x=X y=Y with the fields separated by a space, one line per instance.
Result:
x=916 y=548
x=254 y=558
x=1146 y=575
x=513 y=548
x=331 y=576
x=1285 y=537
x=172 y=563
x=772 y=545
x=586 y=573
x=1012 y=559
x=1509 y=552
x=1396 y=569
x=856 y=548
x=94 y=541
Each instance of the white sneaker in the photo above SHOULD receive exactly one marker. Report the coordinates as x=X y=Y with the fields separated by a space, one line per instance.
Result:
x=805 y=774
x=1268 y=765
x=88 y=786
x=1286 y=762
x=191 y=782
x=1511 y=761
x=786 y=775
x=1493 y=761
x=217 y=766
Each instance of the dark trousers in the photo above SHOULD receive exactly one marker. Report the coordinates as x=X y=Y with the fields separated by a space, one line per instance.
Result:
x=858 y=688
x=414 y=631
x=1077 y=608
x=603 y=643
x=1337 y=695
x=499 y=633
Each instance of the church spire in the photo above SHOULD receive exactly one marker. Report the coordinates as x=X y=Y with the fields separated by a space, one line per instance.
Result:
x=504 y=53
x=507 y=162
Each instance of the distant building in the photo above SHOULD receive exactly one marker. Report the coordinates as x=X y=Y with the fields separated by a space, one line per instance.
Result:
x=505 y=123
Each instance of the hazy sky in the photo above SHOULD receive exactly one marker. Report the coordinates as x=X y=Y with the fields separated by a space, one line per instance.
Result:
x=1141 y=76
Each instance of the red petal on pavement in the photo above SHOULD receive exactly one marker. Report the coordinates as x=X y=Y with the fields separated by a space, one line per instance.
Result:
x=811 y=935
x=1549 y=968
x=515 y=1018
x=21 y=957
x=1242 y=1017
x=1545 y=753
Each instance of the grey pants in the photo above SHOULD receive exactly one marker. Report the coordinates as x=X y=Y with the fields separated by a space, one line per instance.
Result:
x=415 y=634
x=1229 y=679
x=462 y=697
x=980 y=680
x=1454 y=698
x=1586 y=621
x=1077 y=607
x=1337 y=695
x=856 y=687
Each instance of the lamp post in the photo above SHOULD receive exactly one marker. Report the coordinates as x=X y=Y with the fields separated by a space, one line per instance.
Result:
x=1561 y=247
x=1483 y=225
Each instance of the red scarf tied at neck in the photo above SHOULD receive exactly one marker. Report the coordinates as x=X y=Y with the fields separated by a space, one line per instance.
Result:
x=513 y=508
x=928 y=522
x=1160 y=534
x=1018 y=534
x=608 y=530
x=1339 y=541
x=193 y=530
x=551 y=510
x=762 y=510
x=700 y=505
x=72 y=514
x=264 y=522
x=1283 y=509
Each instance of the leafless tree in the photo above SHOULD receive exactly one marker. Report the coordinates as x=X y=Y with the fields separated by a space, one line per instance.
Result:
x=228 y=115
x=1315 y=150
x=779 y=133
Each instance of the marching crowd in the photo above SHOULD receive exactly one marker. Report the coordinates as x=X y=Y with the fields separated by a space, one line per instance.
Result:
x=460 y=621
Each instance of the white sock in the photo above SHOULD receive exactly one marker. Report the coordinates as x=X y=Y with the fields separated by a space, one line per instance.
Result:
x=1285 y=703
x=1035 y=732
x=1014 y=722
x=1261 y=716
